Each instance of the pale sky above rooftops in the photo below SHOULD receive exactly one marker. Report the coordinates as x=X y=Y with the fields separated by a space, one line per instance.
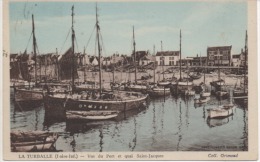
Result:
x=203 y=24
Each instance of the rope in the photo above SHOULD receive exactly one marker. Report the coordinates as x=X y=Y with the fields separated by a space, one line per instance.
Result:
x=28 y=41
x=102 y=43
x=64 y=41
x=91 y=35
x=76 y=43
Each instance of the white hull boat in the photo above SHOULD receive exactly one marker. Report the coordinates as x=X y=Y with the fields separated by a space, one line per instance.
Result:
x=91 y=115
x=221 y=112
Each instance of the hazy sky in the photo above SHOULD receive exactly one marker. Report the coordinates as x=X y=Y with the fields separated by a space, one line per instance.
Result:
x=202 y=23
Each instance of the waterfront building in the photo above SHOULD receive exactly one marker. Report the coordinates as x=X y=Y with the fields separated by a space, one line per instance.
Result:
x=219 y=55
x=167 y=58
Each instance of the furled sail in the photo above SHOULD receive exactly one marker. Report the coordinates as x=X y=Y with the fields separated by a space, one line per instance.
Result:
x=24 y=66
x=66 y=65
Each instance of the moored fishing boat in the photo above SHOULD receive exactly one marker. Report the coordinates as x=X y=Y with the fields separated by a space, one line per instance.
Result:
x=221 y=111
x=91 y=115
x=33 y=141
x=30 y=94
x=95 y=101
x=159 y=91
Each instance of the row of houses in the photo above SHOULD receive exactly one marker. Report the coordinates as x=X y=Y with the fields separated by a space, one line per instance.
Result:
x=218 y=55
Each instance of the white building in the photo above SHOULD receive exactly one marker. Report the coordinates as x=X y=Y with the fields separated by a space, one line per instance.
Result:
x=236 y=60
x=167 y=57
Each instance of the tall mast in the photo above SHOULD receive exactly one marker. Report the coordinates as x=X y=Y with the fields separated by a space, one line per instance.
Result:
x=245 y=66
x=134 y=52
x=84 y=55
x=154 y=65
x=113 y=69
x=180 y=54
x=163 y=60
x=218 y=65
x=72 y=47
x=34 y=49
x=99 y=53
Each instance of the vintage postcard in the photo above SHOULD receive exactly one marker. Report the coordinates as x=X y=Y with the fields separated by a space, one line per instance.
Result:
x=130 y=80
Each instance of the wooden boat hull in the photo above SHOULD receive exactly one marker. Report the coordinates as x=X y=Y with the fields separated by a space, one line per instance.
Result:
x=159 y=92
x=31 y=147
x=166 y=83
x=32 y=141
x=91 y=115
x=182 y=86
x=22 y=95
x=136 y=88
x=220 y=113
x=60 y=105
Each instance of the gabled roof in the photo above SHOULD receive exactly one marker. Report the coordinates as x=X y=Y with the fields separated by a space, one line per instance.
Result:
x=220 y=48
x=168 y=53
x=148 y=57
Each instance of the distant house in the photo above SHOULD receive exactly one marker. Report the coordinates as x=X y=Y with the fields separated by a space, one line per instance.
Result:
x=239 y=59
x=236 y=60
x=167 y=57
x=94 y=60
x=106 y=61
x=139 y=55
x=219 y=55
x=146 y=60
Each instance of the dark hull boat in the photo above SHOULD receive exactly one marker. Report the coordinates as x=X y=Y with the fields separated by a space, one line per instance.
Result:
x=120 y=101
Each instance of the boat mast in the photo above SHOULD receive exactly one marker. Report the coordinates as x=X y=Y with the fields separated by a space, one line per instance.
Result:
x=163 y=60
x=34 y=49
x=134 y=52
x=246 y=50
x=72 y=47
x=99 y=53
x=154 y=65
x=180 y=54
x=113 y=69
x=84 y=55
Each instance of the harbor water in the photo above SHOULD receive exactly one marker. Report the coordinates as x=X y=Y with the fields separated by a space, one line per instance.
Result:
x=173 y=123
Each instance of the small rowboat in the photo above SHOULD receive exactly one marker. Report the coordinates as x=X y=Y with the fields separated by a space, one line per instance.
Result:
x=159 y=91
x=91 y=115
x=33 y=141
x=221 y=111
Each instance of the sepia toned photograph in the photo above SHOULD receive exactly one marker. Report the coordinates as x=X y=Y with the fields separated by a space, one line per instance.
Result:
x=110 y=80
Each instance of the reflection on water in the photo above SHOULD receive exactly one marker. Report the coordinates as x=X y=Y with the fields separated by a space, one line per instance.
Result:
x=170 y=124
x=218 y=122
